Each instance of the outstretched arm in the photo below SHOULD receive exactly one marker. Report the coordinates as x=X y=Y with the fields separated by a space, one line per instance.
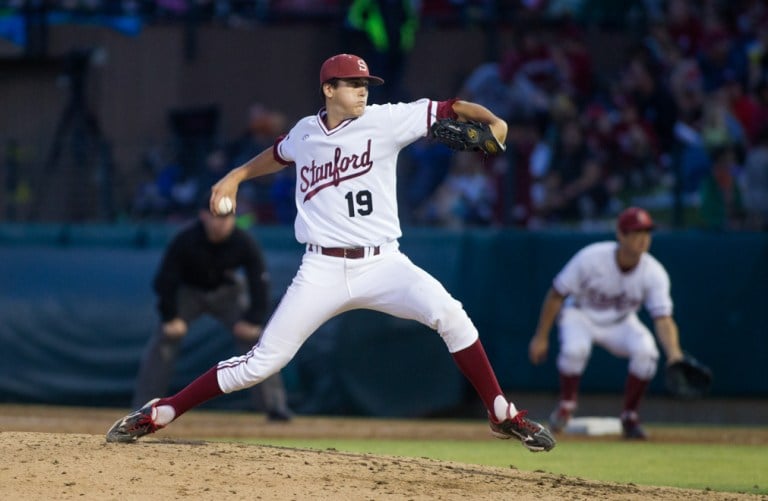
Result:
x=469 y=111
x=537 y=348
x=666 y=331
x=262 y=164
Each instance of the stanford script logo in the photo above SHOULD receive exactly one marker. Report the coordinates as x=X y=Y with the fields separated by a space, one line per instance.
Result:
x=317 y=176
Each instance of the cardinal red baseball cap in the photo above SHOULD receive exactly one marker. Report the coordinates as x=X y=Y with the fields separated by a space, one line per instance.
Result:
x=346 y=66
x=635 y=219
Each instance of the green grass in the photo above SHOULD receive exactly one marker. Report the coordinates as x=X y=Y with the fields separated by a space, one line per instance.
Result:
x=738 y=468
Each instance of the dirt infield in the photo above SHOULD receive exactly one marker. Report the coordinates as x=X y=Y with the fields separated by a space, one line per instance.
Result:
x=60 y=453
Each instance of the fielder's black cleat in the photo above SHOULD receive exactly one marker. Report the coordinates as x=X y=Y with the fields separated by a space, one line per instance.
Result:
x=631 y=429
x=559 y=419
x=279 y=416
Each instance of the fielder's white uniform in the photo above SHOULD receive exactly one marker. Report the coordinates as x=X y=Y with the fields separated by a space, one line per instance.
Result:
x=601 y=307
x=346 y=198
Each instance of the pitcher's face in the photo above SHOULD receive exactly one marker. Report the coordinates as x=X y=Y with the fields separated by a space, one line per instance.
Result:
x=349 y=97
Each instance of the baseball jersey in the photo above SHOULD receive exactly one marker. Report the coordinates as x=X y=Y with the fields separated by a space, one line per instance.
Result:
x=595 y=284
x=346 y=176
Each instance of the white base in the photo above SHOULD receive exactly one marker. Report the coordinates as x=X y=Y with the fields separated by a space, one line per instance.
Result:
x=590 y=425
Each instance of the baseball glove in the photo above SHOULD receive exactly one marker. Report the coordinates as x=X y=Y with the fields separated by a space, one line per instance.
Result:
x=466 y=136
x=688 y=378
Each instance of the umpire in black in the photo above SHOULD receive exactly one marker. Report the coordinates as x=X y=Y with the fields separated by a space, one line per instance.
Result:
x=210 y=267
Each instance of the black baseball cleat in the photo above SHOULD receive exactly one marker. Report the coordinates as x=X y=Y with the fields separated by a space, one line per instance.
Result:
x=631 y=429
x=559 y=419
x=135 y=425
x=279 y=415
x=531 y=434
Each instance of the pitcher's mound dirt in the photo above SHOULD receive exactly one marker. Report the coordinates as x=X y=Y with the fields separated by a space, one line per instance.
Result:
x=75 y=462
x=76 y=466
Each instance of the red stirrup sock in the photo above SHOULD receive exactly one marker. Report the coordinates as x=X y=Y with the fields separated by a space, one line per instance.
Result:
x=634 y=389
x=195 y=393
x=569 y=387
x=474 y=364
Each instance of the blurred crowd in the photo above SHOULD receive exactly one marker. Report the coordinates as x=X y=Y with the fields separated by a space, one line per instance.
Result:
x=171 y=190
x=680 y=128
x=236 y=12
x=678 y=124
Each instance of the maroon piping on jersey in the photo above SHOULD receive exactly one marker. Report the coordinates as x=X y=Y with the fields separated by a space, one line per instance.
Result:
x=275 y=154
x=445 y=109
x=321 y=121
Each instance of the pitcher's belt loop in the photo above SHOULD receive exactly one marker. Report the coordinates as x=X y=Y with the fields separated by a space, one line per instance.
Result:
x=347 y=252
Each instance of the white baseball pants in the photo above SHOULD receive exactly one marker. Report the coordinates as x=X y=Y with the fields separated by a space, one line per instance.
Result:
x=629 y=338
x=326 y=286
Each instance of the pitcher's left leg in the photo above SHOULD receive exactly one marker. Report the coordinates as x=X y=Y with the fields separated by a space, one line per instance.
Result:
x=406 y=291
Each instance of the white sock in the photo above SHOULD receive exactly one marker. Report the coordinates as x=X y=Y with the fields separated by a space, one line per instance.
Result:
x=163 y=414
x=503 y=409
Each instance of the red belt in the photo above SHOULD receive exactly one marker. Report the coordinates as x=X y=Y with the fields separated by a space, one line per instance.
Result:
x=348 y=252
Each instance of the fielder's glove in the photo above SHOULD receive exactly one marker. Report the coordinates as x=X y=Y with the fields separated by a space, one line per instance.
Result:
x=688 y=378
x=465 y=136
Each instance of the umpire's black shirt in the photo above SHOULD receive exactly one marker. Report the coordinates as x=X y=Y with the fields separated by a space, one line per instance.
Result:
x=193 y=260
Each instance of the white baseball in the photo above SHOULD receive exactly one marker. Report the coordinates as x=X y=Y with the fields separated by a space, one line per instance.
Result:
x=224 y=206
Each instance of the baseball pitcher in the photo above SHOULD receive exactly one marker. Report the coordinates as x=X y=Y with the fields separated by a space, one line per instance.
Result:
x=345 y=158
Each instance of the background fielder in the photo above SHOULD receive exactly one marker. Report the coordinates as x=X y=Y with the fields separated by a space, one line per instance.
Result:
x=345 y=158
x=595 y=299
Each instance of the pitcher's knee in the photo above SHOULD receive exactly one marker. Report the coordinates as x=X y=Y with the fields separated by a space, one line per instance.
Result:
x=455 y=327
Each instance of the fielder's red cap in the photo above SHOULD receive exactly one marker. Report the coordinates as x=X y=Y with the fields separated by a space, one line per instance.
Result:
x=634 y=219
x=346 y=66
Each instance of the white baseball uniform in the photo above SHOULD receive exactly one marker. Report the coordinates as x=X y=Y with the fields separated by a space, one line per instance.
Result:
x=601 y=307
x=346 y=198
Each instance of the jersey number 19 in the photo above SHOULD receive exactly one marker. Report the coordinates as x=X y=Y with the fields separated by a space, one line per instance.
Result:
x=362 y=200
